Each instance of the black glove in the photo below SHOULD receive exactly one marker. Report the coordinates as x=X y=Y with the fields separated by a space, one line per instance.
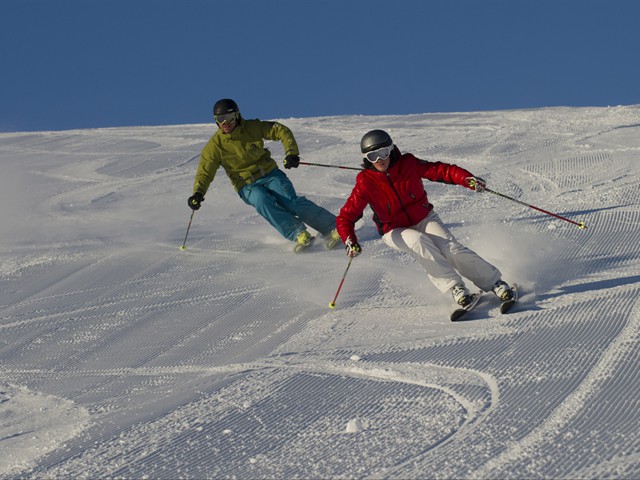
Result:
x=195 y=200
x=291 y=161
x=353 y=248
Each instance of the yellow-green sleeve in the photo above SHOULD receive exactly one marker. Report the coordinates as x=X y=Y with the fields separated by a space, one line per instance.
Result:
x=278 y=131
x=207 y=168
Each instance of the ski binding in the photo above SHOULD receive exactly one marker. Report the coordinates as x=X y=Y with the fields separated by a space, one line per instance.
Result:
x=462 y=311
x=506 y=305
x=299 y=248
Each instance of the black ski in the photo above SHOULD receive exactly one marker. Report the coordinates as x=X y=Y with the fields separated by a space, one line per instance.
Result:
x=462 y=311
x=506 y=305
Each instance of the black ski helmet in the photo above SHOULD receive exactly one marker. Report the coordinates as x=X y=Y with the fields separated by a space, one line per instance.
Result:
x=226 y=105
x=375 y=139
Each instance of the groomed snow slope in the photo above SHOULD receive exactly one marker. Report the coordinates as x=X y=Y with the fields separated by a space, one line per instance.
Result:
x=122 y=356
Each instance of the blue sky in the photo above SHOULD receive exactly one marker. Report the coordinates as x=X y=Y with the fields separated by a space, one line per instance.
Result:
x=70 y=64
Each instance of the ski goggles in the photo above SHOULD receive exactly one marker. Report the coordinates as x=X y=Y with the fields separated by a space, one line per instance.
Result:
x=374 y=156
x=223 y=118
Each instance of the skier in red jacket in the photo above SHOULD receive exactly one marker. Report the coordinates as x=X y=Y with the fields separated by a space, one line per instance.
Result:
x=391 y=184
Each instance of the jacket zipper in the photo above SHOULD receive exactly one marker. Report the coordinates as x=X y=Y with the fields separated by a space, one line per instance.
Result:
x=398 y=197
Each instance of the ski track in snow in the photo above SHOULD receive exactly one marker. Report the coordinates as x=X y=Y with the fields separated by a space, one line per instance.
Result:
x=122 y=356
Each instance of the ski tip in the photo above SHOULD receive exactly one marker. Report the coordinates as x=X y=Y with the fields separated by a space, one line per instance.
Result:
x=507 y=306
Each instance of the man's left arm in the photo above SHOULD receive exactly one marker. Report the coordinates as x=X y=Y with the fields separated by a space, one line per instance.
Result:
x=278 y=131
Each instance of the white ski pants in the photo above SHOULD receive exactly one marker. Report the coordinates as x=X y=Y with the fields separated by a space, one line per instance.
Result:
x=441 y=255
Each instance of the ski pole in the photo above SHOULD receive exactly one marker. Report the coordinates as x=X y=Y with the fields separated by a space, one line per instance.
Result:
x=332 y=305
x=330 y=166
x=580 y=225
x=182 y=247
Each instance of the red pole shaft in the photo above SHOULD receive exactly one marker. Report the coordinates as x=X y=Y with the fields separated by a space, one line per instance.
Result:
x=333 y=303
x=580 y=225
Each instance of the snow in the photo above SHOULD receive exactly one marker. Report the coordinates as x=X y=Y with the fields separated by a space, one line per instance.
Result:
x=123 y=356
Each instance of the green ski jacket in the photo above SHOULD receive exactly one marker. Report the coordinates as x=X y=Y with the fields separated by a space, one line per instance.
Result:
x=242 y=153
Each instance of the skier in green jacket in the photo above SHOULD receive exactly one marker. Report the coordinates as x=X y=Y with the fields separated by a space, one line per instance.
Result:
x=238 y=147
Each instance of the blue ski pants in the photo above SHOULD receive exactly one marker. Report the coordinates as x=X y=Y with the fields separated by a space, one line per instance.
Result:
x=274 y=197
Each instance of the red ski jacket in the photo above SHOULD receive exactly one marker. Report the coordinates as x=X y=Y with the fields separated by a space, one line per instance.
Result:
x=397 y=196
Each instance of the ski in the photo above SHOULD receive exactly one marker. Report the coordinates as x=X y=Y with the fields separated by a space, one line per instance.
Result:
x=462 y=311
x=506 y=305
x=331 y=243
x=299 y=248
